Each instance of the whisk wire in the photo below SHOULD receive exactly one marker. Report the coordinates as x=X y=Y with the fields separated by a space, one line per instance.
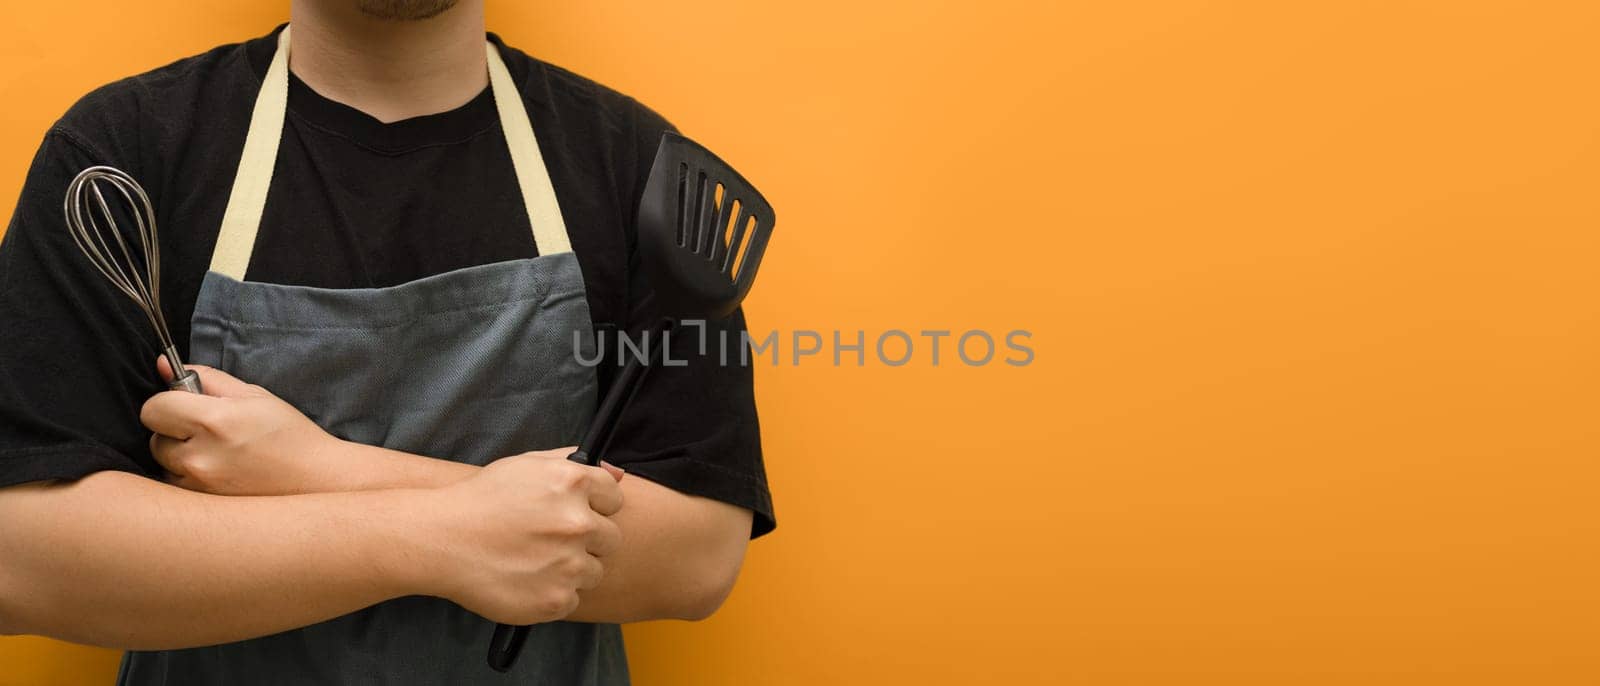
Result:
x=141 y=291
x=122 y=265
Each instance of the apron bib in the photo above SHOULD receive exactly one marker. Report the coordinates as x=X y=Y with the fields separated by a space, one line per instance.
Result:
x=470 y=365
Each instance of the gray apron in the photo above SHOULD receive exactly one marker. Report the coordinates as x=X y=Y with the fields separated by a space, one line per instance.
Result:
x=471 y=365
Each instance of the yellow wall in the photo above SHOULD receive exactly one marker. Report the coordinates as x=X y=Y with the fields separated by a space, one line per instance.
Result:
x=1313 y=289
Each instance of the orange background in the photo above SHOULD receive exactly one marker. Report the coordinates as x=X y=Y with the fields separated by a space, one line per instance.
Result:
x=1313 y=289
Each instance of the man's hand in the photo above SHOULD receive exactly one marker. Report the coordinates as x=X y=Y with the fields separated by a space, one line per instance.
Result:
x=522 y=536
x=237 y=439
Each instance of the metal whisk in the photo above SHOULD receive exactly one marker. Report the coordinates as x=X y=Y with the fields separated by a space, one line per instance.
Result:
x=137 y=274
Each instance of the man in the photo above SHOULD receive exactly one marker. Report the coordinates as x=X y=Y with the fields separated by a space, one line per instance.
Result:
x=381 y=237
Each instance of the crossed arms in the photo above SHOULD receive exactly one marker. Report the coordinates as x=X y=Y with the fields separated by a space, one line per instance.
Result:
x=268 y=524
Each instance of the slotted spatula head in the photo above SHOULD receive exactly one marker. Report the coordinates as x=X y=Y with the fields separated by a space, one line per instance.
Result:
x=703 y=229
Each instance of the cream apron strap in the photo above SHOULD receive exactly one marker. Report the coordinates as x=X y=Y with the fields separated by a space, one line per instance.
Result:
x=240 y=221
x=549 y=230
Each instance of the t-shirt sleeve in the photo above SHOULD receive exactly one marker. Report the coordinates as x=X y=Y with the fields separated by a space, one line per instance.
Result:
x=76 y=357
x=691 y=427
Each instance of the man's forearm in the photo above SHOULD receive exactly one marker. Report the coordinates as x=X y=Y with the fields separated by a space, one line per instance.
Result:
x=679 y=559
x=119 y=560
x=365 y=467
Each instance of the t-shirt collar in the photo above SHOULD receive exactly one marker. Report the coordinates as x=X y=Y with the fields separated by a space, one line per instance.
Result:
x=443 y=128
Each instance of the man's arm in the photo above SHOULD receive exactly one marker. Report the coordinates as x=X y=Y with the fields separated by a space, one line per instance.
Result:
x=680 y=555
x=117 y=560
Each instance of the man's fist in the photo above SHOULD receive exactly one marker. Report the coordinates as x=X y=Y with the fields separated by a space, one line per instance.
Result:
x=524 y=535
x=237 y=439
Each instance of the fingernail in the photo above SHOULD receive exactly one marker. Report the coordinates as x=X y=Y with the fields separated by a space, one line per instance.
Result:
x=608 y=465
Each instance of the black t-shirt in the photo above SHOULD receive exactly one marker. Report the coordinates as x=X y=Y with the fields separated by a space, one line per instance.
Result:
x=354 y=203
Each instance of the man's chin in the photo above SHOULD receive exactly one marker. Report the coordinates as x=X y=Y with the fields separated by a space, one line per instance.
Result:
x=404 y=10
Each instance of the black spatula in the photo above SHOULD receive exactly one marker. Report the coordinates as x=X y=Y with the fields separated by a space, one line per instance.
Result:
x=702 y=232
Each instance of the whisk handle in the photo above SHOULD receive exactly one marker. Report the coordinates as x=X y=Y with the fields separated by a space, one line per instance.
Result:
x=188 y=381
x=184 y=379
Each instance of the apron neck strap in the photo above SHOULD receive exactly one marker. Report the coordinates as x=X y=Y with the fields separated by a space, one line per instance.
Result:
x=533 y=177
x=242 y=219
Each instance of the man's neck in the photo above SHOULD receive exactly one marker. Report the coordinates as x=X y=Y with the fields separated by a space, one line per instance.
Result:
x=391 y=70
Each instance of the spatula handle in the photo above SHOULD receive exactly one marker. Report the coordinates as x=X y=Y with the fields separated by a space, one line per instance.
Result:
x=506 y=645
x=610 y=412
